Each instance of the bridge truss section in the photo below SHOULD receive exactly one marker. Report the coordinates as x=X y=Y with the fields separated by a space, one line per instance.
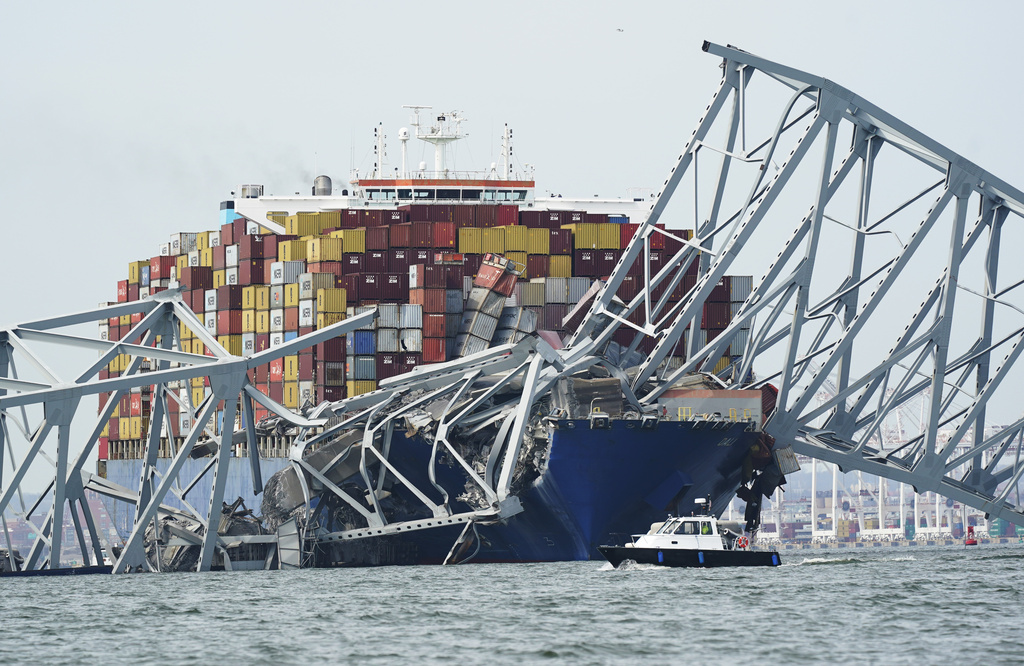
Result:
x=880 y=256
x=38 y=406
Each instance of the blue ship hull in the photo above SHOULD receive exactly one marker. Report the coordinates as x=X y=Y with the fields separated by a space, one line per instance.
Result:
x=598 y=484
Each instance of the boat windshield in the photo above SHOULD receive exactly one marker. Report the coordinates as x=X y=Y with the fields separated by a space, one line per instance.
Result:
x=688 y=527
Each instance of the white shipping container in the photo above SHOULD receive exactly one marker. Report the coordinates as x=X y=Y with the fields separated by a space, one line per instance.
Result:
x=387 y=340
x=214 y=239
x=144 y=292
x=306 y=393
x=165 y=250
x=360 y=309
x=467 y=345
x=193 y=258
x=452 y=323
x=277 y=321
x=467 y=286
x=388 y=315
x=411 y=340
x=286 y=272
x=411 y=316
x=248 y=344
x=527 y=321
x=740 y=287
x=184 y=424
x=531 y=294
x=276 y=339
x=231 y=275
x=479 y=324
x=739 y=342
x=277 y=296
x=307 y=313
x=231 y=256
x=577 y=288
x=251 y=228
x=210 y=322
x=310 y=283
x=556 y=290
x=210 y=300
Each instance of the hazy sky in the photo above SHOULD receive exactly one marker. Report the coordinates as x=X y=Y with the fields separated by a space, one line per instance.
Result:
x=121 y=123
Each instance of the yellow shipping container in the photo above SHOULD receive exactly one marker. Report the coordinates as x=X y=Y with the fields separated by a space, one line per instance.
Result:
x=139 y=427
x=263 y=321
x=248 y=321
x=469 y=240
x=292 y=250
x=584 y=235
x=117 y=411
x=608 y=236
x=197 y=382
x=330 y=219
x=353 y=240
x=325 y=319
x=262 y=298
x=220 y=278
x=106 y=429
x=520 y=259
x=124 y=428
x=198 y=347
x=538 y=241
x=325 y=249
x=302 y=224
x=291 y=395
x=331 y=300
x=232 y=343
x=492 y=239
x=184 y=331
x=354 y=388
x=125 y=320
x=135 y=271
x=198 y=395
x=560 y=265
x=181 y=262
x=516 y=238
x=203 y=240
x=722 y=364
x=249 y=298
x=291 y=368
x=291 y=295
x=206 y=257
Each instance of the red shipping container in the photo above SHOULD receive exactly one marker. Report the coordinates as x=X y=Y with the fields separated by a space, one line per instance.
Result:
x=229 y=297
x=445 y=235
x=333 y=267
x=560 y=242
x=595 y=218
x=433 y=325
x=352 y=263
x=198 y=300
x=291 y=319
x=275 y=390
x=369 y=286
x=657 y=262
x=487 y=215
x=629 y=287
x=388 y=366
x=122 y=291
x=435 y=350
x=262 y=341
x=104 y=448
x=135 y=404
x=529 y=218
x=537 y=266
x=721 y=291
x=160 y=267
x=421 y=256
x=375 y=261
x=464 y=216
x=377 y=238
x=306 y=363
x=626 y=233
x=270 y=245
x=453 y=276
x=422 y=234
x=133 y=292
x=606 y=260
x=552 y=316
x=329 y=393
x=306 y=330
x=227 y=236
x=350 y=283
x=574 y=217
x=392 y=217
x=716 y=315
x=487 y=276
x=432 y=300
x=219 y=257
x=657 y=240
x=113 y=332
x=373 y=218
x=409 y=361
x=136 y=318
x=506 y=284
x=434 y=276
x=553 y=217
x=238 y=229
x=441 y=213
x=350 y=218
x=398 y=260
x=276 y=370
x=331 y=350
x=417 y=212
x=472 y=265
x=229 y=322
x=250 y=247
x=508 y=214
x=395 y=288
x=261 y=374
x=584 y=263
x=401 y=235
x=125 y=405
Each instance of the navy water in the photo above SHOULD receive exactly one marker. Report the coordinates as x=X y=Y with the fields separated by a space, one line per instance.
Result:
x=907 y=605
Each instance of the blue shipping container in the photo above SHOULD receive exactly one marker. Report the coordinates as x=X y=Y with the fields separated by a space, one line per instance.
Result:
x=144 y=277
x=360 y=343
x=618 y=219
x=290 y=335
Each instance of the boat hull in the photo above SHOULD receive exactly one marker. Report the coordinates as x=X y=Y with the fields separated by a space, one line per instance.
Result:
x=674 y=557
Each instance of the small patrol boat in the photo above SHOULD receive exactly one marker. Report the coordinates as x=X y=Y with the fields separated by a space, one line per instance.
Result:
x=700 y=540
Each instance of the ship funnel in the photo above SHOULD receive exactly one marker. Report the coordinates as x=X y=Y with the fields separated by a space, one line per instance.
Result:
x=322 y=186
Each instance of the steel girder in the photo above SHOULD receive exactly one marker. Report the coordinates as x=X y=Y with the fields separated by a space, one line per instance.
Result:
x=31 y=409
x=883 y=269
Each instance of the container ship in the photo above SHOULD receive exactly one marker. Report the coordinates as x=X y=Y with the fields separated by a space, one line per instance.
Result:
x=454 y=264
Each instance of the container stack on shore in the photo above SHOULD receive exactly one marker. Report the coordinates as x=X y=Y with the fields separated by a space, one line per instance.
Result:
x=448 y=281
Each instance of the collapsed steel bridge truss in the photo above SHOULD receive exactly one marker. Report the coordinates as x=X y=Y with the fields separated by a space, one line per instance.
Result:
x=887 y=265
x=889 y=282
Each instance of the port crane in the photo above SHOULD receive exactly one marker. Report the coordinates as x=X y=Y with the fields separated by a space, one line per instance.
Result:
x=883 y=262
